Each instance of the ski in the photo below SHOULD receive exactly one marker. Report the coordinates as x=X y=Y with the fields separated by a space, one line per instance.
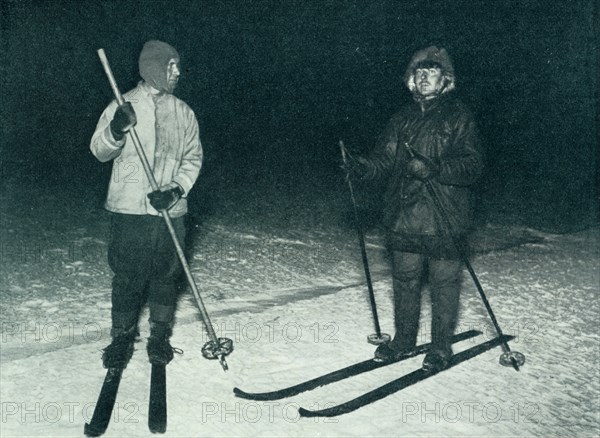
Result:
x=157 y=410
x=343 y=373
x=105 y=404
x=402 y=382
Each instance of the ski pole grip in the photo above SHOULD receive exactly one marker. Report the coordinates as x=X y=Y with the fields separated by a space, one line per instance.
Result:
x=110 y=76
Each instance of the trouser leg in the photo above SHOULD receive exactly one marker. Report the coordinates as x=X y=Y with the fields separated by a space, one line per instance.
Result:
x=162 y=290
x=166 y=272
x=445 y=278
x=129 y=257
x=407 y=281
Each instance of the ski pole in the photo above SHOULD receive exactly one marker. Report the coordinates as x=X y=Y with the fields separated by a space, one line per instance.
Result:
x=215 y=348
x=378 y=337
x=509 y=357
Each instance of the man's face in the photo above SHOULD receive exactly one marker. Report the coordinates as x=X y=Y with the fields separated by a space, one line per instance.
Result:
x=172 y=75
x=428 y=81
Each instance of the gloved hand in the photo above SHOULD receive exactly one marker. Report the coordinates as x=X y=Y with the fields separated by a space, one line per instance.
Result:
x=123 y=120
x=165 y=197
x=421 y=167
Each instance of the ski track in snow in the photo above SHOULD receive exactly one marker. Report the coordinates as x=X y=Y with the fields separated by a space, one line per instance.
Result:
x=294 y=302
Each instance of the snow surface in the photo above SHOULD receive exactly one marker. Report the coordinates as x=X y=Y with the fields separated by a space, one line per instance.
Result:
x=281 y=275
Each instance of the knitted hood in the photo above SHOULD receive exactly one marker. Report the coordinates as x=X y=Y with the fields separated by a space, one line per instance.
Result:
x=154 y=59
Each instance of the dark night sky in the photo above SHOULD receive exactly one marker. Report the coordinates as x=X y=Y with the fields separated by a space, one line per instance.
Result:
x=280 y=82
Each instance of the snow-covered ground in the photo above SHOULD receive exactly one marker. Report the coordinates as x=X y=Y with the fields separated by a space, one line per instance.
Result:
x=281 y=275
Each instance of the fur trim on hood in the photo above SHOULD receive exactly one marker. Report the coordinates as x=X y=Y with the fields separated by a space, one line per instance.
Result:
x=431 y=54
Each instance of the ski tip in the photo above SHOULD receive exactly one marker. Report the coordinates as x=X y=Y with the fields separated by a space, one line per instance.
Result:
x=239 y=393
x=328 y=412
x=305 y=412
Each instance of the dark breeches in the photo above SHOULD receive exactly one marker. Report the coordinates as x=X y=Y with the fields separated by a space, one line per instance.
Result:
x=411 y=271
x=143 y=259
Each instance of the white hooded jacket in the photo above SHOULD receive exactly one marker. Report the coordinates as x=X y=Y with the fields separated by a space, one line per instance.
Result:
x=169 y=134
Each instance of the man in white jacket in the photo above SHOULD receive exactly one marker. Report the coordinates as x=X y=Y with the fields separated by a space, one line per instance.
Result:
x=141 y=253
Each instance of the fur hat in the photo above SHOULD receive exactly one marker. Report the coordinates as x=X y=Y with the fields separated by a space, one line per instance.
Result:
x=154 y=59
x=428 y=56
